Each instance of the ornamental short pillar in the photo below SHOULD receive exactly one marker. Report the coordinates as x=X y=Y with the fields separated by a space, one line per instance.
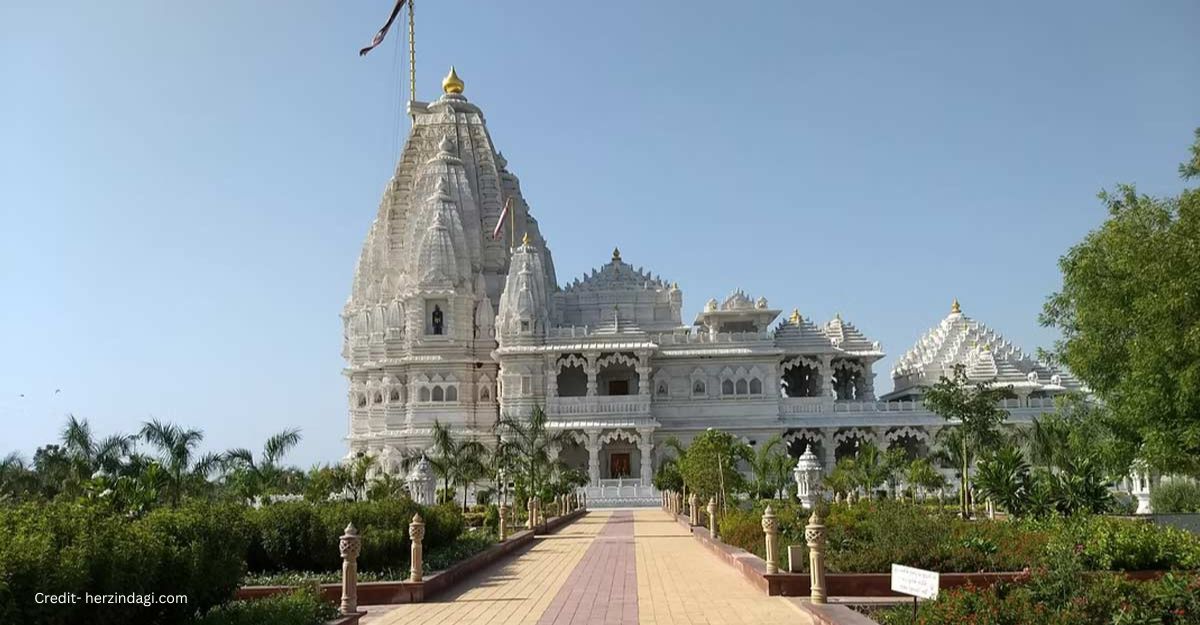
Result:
x=770 y=526
x=349 y=545
x=814 y=536
x=416 y=532
x=529 y=514
x=712 y=518
x=693 y=510
x=502 y=530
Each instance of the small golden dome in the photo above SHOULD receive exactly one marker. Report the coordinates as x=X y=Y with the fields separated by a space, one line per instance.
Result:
x=796 y=318
x=616 y=255
x=525 y=239
x=452 y=83
x=955 y=308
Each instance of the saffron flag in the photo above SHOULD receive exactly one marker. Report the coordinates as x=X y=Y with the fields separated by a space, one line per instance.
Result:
x=500 y=222
x=383 y=31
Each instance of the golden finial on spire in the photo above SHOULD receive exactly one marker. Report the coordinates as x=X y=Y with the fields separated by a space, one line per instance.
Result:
x=955 y=308
x=796 y=318
x=616 y=255
x=452 y=83
x=525 y=239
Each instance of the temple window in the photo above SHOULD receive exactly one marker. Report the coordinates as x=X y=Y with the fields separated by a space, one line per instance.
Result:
x=524 y=326
x=526 y=384
x=756 y=387
x=572 y=379
x=423 y=395
x=741 y=387
x=394 y=396
x=438 y=393
x=484 y=394
x=378 y=397
x=451 y=393
x=362 y=401
x=662 y=389
x=698 y=387
x=727 y=387
x=801 y=380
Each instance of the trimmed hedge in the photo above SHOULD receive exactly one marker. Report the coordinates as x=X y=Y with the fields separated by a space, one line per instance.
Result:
x=869 y=537
x=303 y=536
x=80 y=548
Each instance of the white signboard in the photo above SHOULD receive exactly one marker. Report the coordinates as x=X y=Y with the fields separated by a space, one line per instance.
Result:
x=915 y=582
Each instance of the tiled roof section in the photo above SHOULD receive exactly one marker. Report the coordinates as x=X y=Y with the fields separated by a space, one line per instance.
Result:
x=848 y=338
x=798 y=333
x=617 y=275
x=986 y=354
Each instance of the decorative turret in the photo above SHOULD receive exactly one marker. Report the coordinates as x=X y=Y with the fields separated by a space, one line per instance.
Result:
x=524 y=307
x=440 y=261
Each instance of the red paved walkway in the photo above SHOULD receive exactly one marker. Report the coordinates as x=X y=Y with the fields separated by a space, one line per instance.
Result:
x=603 y=587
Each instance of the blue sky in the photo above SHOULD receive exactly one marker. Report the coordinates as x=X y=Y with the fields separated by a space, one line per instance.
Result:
x=184 y=187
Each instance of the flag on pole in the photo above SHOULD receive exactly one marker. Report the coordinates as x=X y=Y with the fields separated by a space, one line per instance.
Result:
x=383 y=31
x=500 y=222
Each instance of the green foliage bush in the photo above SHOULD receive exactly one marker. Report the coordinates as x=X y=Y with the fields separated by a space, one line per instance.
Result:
x=869 y=537
x=1098 y=599
x=1176 y=496
x=81 y=548
x=303 y=536
x=303 y=607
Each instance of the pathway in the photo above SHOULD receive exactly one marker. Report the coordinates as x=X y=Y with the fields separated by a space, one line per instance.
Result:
x=612 y=567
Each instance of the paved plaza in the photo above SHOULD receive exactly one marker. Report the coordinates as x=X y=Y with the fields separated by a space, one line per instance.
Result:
x=618 y=567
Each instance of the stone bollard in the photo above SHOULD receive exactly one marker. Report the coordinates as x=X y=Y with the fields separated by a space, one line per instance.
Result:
x=531 y=514
x=503 y=529
x=837 y=498
x=712 y=518
x=693 y=510
x=350 y=544
x=584 y=503
x=770 y=526
x=416 y=532
x=814 y=535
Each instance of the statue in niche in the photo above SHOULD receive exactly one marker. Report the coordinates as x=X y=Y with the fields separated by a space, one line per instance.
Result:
x=437 y=319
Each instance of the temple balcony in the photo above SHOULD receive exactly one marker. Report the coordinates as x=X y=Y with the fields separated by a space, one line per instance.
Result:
x=629 y=405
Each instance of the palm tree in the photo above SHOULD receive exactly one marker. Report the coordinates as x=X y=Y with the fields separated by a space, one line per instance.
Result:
x=255 y=479
x=923 y=477
x=87 y=455
x=464 y=462
x=770 y=467
x=16 y=480
x=524 y=446
x=1003 y=477
x=177 y=454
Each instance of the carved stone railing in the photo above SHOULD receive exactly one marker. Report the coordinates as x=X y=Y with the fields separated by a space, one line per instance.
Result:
x=620 y=489
x=598 y=405
x=705 y=338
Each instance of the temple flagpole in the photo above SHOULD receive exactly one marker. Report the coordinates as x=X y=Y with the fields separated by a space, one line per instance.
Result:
x=412 y=63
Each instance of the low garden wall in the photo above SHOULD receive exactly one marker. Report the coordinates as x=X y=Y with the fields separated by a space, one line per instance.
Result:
x=387 y=592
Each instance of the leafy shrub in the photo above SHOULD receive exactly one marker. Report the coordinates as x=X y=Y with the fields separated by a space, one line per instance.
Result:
x=1113 y=544
x=69 y=547
x=302 y=607
x=1176 y=496
x=1096 y=599
x=303 y=536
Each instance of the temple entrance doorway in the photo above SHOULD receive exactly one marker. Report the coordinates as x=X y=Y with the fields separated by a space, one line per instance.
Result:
x=618 y=465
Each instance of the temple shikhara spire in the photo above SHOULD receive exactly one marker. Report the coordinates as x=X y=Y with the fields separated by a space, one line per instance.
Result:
x=450 y=322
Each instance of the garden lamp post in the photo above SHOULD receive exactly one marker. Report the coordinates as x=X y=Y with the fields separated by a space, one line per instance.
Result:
x=808 y=478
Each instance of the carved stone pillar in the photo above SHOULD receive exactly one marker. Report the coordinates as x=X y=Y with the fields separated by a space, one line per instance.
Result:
x=814 y=536
x=770 y=525
x=349 y=545
x=593 y=448
x=712 y=518
x=643 y=372
x=503 y=529
x=592 y=371
x=416 y=533
x=646 y=451
x=551 y=375
x=868 y=383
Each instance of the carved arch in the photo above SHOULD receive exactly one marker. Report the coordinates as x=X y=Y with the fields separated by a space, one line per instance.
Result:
x=613 y=435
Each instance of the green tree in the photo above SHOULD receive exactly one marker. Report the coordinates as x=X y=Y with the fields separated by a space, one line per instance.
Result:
x=710 y=466
x=463 y=461
x=922 y=477
x=1129 y=313
x=974 y=410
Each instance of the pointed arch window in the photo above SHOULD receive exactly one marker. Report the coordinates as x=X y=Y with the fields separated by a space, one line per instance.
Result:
x=452 y=393
x=727 y=387
x=698 y=387
x=438 y=393
x=756 y=386
x=741 y=387
x=423 y=395
x=395 y=395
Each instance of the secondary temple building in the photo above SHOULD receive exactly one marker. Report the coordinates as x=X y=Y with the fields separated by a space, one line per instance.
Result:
x=446 y=322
